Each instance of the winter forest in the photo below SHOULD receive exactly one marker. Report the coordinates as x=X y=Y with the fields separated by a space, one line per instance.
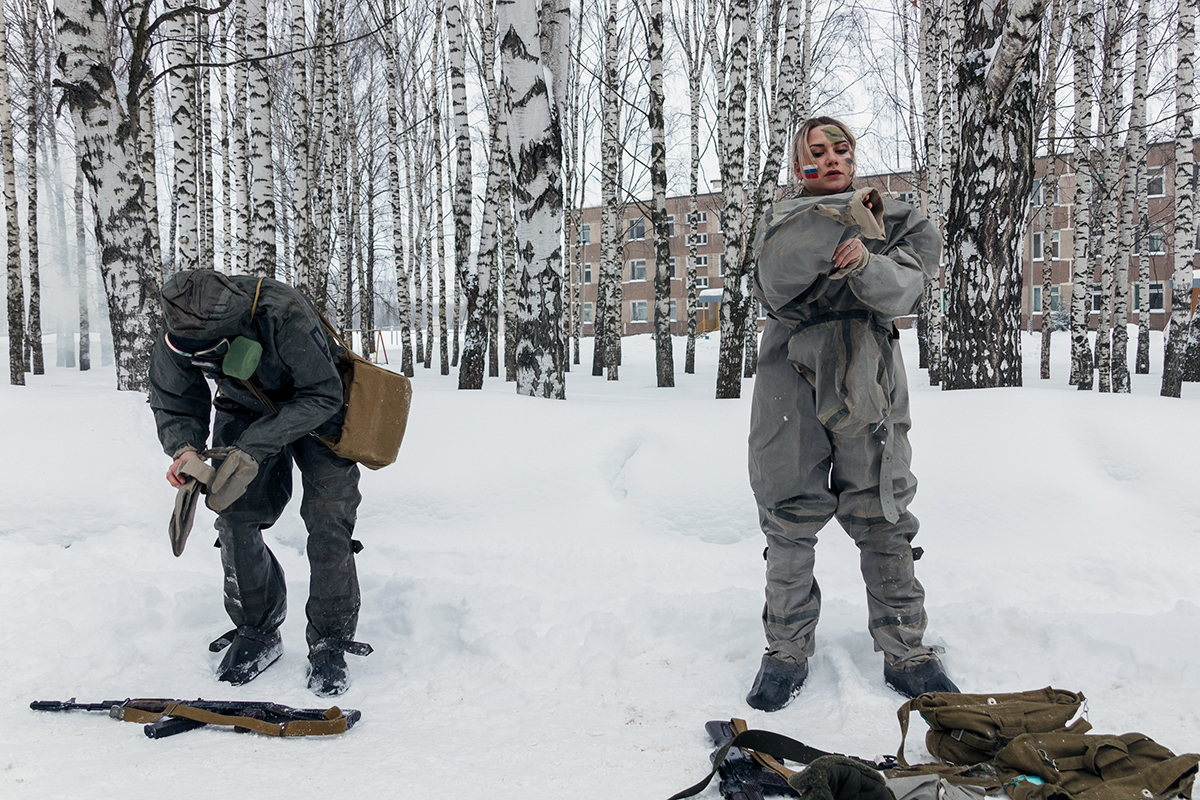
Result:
x=422 y=166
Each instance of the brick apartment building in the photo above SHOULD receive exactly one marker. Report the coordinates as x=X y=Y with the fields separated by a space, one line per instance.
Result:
x=637 y=299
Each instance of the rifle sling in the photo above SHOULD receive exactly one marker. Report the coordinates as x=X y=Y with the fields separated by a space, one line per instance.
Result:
x=766 y=748
x=334 y=722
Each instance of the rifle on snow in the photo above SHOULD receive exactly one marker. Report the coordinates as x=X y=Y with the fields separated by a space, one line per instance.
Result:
x=164 y=718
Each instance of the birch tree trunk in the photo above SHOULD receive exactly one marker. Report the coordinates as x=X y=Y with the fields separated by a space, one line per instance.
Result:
x=1137 y=157
x=85 y=333
x=240 y=155
x=931 y=53
x=693 y=40
x=150 y=177
x=1109 y=186
x=1181 y=291
x=1122 y=191
x=987 y=212
x=16 y=285
x=262 y=184
x=456 y=53
x=106 y=134
x=479 y=280
x=608 y=274
x=300 y=126
x=733 y=319
x=403 y=300
x=204 y=149
x=663 y=355
x=1082 y=39
x=35 y=362
x=535 y=161
x=1050 y=181
x=435 y=101
x=181 y=92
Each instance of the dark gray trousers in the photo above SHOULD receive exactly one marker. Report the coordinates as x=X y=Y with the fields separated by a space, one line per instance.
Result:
x=803 y=475
x=255 y=590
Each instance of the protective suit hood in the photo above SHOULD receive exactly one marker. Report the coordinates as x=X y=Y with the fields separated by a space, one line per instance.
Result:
x=205 y=305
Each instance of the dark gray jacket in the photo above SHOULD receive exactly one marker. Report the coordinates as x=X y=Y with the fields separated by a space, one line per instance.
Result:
x=298 y=370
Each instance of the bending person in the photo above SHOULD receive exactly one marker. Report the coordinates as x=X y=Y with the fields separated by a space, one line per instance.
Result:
x=264 y=424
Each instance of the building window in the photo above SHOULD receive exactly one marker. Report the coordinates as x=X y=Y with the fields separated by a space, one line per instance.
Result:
x=585 y=234
x=1037 y=299
x=587 y=313
x=701 y=281
x=637 y=269
x=1157 y=243
x=637 y=229
x=673 y=310
x=587 y=272
x=671 y=225
x=701 y=218
x=721 y=264
x=1037 y=197
x=1155 y=183
x=905 y=197
x=1039 y=252
x=699 y=239
x=1156 y=293
x=1097 y=297
x=702 y=263
x=637 y=310
x=672 y=267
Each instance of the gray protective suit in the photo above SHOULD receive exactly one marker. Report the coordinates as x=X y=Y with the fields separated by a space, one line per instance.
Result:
x=299 y=374
x=830 y=418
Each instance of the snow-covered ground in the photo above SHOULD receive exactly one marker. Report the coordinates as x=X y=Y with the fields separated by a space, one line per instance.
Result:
x=560 y=594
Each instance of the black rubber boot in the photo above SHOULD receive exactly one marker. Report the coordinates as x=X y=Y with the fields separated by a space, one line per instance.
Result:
x=926 y=676
x=327 y=673
x=777 y=683
x=250 y=652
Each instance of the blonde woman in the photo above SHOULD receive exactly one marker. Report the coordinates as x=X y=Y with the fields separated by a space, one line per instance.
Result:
x=829 y=419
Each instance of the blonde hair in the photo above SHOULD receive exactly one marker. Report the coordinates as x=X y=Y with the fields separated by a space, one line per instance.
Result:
x=801 y=154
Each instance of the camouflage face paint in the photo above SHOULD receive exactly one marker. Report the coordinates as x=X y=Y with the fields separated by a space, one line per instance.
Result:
x=833 y=133
x=810 y=170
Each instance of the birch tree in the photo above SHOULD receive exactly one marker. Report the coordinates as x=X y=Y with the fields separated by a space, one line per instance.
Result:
x=480 y=281
x=262 y=183
x=733 y=124
x=181 y=79
x=456 y=53
x=931 y=52
x=693 y=35
x=104 y=112
x=1109 y=186
x=535 y=159
x=664 y=358
x=16 y=286
x=85 y=335
x=1050 y=182
x=1137 y=158
x=1181 y=291
x=1082 y=40
x=992 y=178
x=607 y=341
x=34 y=358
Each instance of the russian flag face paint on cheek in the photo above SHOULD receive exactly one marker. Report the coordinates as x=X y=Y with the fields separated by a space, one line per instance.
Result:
x=810 y=170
